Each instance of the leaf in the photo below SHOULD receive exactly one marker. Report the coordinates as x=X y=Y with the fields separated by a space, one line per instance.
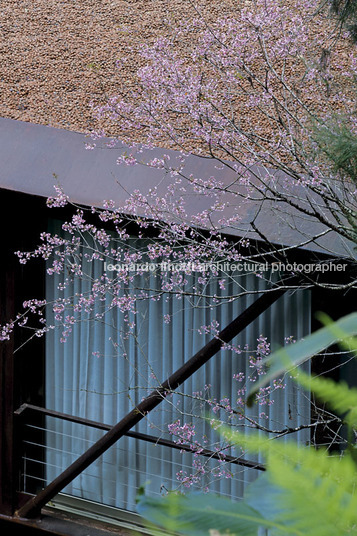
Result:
x=202 y=514
x=295 y=354
x=349 y=343
x=266 y=498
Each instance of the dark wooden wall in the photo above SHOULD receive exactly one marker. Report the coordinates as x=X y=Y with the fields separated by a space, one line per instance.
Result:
x=22 y=218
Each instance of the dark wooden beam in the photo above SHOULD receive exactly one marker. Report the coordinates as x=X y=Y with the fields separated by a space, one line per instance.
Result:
x=21 y=377
x=7 y=312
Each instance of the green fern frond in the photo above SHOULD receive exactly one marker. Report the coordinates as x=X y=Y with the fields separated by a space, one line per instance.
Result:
x=339 y=396
x=316 y=489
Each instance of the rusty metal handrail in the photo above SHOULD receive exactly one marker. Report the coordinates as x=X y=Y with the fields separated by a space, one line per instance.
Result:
x=207 y=453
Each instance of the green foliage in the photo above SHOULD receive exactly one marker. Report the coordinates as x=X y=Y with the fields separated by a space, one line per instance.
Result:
x=346 y=11
x=198 y=514
x=303 y=492
x=339 y=143
x=340 y=397
x=314 y=491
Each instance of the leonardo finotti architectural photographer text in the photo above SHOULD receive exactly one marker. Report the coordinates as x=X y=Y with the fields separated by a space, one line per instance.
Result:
x=227 y=267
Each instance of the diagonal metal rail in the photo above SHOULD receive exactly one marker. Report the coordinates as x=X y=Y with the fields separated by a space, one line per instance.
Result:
x=236 y=460
x=33 y=507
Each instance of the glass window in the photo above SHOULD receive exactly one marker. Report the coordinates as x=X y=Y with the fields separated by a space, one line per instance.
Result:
x=113 y=358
